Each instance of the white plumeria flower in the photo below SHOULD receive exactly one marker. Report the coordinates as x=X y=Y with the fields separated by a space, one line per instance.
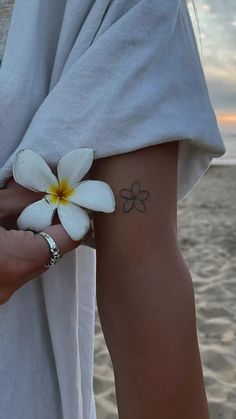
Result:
x=66 y=194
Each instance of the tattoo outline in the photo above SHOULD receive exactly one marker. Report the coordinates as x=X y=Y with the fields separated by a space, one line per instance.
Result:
x=134 y=197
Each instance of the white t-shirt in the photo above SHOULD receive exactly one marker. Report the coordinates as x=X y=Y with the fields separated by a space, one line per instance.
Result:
x=116 y=77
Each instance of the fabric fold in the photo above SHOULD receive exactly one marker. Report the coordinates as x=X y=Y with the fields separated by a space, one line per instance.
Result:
x=60 y=286
x=114 y=76
x=138 y=84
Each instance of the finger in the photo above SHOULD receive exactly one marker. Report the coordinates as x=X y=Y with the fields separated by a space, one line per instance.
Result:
x=9 y=223
x=10 y=182
x=40 y=252
x=17 y=197
x=21 y=282
x=61 y=238
x=30 y=276
x=41 y=248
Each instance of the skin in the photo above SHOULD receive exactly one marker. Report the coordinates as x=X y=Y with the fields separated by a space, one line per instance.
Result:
x=145 y=293
x=28 y=250
x=144 y=290
x=13 y=199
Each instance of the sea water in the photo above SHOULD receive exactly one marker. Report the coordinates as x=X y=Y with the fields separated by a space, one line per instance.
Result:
x=230 y=155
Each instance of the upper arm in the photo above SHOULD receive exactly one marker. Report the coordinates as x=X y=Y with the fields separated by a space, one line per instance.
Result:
x=145 y=294
x=138 y=224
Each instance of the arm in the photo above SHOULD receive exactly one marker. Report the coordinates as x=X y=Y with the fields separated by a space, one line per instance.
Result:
x=144 y=291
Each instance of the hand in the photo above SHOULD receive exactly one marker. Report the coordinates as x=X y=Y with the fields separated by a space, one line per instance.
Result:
x=13 y=199
x=23 y=255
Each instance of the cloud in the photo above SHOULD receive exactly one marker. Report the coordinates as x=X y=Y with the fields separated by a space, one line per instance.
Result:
x=217 y=20
x=222 y=93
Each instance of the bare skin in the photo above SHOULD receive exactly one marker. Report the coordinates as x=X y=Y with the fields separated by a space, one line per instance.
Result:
x=13 y=199
x=23 y=253
x=144 y=290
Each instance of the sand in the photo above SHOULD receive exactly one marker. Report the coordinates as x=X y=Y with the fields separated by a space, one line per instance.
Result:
x=207 y=235
x=5 y=11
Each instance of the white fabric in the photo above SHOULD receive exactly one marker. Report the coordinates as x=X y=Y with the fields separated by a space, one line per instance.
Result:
x=115 y=76
x=46 y=343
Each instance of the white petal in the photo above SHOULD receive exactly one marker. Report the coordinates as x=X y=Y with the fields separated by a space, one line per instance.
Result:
x=75 y=164
x=95 y=195
x=37 y=215
x=74 y=219
x=32 y=172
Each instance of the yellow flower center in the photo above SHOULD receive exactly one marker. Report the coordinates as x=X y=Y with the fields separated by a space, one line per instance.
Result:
x=60 y=194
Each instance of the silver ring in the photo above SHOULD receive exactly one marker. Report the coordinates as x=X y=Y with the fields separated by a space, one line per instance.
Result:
x=54 y=249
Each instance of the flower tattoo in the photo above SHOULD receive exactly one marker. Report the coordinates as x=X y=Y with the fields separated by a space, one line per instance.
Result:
x=134 y=198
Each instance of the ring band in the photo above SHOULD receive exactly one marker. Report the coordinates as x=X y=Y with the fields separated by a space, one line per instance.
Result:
x=54 y=249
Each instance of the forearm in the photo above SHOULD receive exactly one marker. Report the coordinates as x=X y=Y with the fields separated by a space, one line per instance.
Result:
x=148 y=319
x=145 y=292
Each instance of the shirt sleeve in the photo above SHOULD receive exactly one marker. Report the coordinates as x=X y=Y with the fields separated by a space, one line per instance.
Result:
x=138 y=84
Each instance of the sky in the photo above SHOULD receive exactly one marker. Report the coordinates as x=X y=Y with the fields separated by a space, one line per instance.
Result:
x=217 y=21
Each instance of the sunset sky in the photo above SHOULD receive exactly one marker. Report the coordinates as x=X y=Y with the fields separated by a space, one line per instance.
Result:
x=217 y=19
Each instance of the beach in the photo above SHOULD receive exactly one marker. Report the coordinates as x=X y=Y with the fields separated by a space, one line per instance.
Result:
x=5 y=9
x=207 y=236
